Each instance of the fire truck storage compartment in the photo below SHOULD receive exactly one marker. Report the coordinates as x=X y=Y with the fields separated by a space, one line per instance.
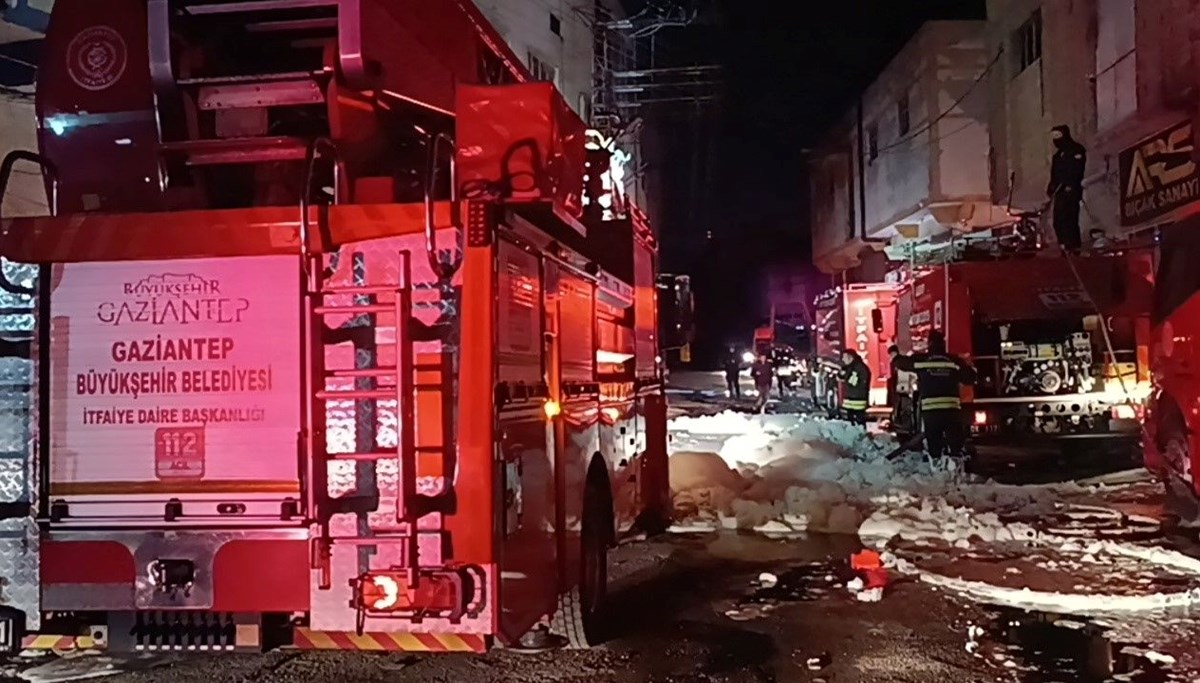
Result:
x=1032 y=328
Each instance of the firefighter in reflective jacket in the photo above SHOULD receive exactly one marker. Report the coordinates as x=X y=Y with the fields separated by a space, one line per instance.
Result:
x=856 y=386
x=939 y=376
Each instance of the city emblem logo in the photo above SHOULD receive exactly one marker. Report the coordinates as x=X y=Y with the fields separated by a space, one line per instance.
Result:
x=96 y=58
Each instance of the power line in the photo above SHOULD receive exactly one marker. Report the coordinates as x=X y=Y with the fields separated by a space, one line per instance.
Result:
x=949 y=110
x=932 y=140
x=21 y=62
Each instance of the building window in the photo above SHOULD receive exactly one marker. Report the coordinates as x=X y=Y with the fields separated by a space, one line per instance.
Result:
x=902 y=114
x=555 y=25
x=540 y=70
x=1027 y=43
x=872 y=142
x=1116 y=63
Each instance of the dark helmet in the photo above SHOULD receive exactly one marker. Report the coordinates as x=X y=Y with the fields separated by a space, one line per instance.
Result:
x=937 y=342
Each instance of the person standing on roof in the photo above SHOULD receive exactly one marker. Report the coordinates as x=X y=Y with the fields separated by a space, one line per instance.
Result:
x=856 y=387
x=939 y=378
x=1065 y=189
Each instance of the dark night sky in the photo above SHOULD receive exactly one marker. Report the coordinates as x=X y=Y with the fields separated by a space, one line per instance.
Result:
x=792 y=67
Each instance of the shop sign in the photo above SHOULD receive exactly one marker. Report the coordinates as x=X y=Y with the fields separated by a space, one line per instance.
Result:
x=1158 y=175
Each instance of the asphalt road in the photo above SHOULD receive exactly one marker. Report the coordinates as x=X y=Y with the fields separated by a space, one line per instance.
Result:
x=670 y=602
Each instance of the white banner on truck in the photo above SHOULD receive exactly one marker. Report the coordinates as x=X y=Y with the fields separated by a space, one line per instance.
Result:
x=175 y=377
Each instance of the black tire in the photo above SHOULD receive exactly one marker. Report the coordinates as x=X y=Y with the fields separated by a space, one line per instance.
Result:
x=581 y=617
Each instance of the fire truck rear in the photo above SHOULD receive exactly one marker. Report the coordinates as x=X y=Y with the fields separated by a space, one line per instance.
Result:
x=1172 y=442
x=861 y=317
x=323 y=346
x=1060 y=345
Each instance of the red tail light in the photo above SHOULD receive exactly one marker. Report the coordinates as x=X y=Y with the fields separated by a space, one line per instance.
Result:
x=389 y=593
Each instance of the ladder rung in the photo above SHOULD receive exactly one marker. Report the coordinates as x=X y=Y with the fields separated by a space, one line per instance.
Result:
x=366 y=308
x=248 y=79
x=374 y=540
x=358 y=395
x=256 y=6
x=258 y=95
x=238 y=150
x=364 y=289
x=364 y=372
x=364 y=457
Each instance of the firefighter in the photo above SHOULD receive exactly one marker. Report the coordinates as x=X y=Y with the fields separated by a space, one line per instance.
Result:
x=733 y=370
x=939 y=377
x=856 y=382
x=1065 y=189
x=763 y=374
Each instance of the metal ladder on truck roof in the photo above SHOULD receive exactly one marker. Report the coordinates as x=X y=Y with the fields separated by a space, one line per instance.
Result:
x=20 y=591
x=219 y=110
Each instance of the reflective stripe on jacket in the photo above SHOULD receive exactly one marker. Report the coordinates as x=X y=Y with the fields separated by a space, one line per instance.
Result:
x=939 y=377
x=857 y=378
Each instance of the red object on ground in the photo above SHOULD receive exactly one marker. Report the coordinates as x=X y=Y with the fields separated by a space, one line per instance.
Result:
x=875 y=578
x=865 y=560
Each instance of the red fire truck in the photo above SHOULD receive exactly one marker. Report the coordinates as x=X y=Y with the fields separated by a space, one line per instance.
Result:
x=862 y=317
x=1172 y=439
x=1061 y=347
x=322 y=344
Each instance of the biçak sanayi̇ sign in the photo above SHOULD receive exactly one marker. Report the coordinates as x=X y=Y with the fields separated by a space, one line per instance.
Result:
x=1158 y=175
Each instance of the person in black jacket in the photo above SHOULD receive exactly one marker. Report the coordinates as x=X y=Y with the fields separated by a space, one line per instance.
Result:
x=733 y=370
x=939 y=377
x=856 y=381
x=1065 y=189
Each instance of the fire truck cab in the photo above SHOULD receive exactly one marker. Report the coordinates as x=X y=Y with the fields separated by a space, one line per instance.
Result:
x=324 y=342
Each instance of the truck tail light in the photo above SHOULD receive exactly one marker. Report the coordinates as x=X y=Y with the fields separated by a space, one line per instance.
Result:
x=981 y=417
x=382 y=593
x=390 y=594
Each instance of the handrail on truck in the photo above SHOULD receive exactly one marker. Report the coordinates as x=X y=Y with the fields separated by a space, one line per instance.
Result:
x=443 y=271
x=50 y=172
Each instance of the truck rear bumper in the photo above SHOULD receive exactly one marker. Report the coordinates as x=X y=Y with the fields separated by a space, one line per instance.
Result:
x=220 y=571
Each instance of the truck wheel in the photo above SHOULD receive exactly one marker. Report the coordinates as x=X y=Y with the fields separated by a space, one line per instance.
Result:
x=581 y=615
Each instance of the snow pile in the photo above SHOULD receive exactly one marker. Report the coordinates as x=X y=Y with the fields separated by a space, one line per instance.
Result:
x=783 y=474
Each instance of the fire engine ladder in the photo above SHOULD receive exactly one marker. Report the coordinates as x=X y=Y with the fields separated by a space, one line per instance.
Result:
x=320 y=505
x=20 y=593
x=243 y=98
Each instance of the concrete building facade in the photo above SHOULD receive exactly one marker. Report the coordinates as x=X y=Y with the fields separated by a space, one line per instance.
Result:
x=1121 y=73
x=911 y=160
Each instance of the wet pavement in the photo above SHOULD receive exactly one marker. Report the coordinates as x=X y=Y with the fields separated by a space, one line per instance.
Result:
x=722 y=608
